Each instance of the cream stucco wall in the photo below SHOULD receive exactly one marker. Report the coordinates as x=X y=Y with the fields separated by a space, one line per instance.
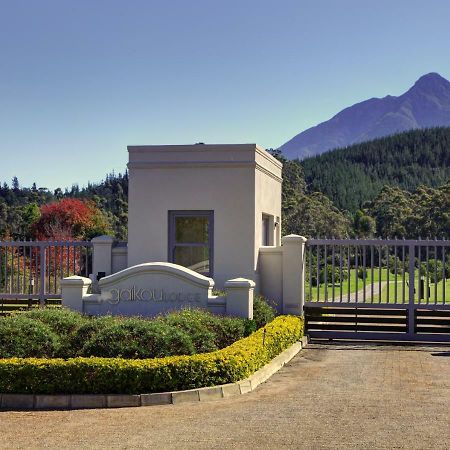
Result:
x=238 y=182
x=268 y=198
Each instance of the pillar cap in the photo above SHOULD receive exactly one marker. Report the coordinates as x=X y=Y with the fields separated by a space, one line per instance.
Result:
x=103 y=240
x=239 y=283
x=293 y=239
x=75 y=280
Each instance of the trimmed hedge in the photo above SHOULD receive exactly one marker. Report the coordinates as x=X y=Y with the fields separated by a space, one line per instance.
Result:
x=61 y=333
x=208 y=331
x=137 y=338
x=125 y=376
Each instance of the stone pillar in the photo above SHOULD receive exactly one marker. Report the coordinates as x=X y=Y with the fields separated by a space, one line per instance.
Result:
x=102 y=255
x=293 y=247
x=239 y=297
x=73 y=289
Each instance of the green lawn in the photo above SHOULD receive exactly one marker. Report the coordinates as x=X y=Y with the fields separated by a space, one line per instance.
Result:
x=353 y=285
x=436 y=291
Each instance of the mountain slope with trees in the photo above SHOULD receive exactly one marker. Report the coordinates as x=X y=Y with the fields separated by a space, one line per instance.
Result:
x=352 y=176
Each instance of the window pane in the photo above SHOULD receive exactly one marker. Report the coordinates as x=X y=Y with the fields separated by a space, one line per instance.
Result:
x=191 y=230
x=265 y=231
x=194 y=258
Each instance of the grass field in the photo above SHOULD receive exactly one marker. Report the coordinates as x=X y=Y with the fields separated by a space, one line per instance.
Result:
x=388 y=289
x=351 y=285
x=438 y=292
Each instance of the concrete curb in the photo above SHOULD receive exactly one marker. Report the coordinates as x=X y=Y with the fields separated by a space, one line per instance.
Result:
x=91 y=401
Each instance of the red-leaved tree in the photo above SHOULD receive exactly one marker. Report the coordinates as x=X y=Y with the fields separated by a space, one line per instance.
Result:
x=70 y=219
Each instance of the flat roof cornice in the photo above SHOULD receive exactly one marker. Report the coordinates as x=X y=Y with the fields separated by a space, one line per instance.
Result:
x=136 y=151
x=194 y=148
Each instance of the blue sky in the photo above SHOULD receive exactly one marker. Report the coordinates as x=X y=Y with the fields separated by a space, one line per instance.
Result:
x=82 y=79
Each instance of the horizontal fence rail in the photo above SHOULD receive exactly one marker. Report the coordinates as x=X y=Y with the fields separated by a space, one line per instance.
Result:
x=31 y=271
x=372 y=286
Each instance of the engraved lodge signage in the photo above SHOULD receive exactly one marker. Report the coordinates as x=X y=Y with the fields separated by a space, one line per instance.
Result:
x=114 y=296
x=149 y=289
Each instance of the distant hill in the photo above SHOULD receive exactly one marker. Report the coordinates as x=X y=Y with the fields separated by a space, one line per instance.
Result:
x=425 y=105
x=356 y=174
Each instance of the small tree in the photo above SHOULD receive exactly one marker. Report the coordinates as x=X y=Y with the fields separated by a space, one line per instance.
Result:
x=70 y=219
x=435 y=270
x=364 y=225
x=338 y=276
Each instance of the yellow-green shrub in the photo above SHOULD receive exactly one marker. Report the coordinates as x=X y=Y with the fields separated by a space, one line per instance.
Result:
x=117 y=375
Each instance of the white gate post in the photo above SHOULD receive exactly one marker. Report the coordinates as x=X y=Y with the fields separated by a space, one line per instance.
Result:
x=293 y=247
x=239 y=297
x=102 y=255
x=73 y=289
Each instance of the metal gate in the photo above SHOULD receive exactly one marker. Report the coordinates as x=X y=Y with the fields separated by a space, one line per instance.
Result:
x=31 y=271
x=378 y=289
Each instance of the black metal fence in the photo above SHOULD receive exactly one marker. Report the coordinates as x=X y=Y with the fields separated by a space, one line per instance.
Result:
x=31 y=271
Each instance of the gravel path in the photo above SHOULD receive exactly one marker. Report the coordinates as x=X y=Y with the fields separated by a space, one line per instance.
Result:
x=329 y=397
x=377 y=289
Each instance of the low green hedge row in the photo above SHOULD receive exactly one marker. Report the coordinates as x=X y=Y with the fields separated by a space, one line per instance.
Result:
x=127 y=376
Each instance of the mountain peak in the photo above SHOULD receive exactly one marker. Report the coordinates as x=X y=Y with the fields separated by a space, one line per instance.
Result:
x=424 y=105
x=431 y=81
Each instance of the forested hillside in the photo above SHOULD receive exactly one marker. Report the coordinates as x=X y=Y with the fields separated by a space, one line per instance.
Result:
x=354 y=175
x=21 y=207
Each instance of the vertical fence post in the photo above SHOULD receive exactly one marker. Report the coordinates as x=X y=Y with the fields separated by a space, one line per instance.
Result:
x=42 y=274
x=411 y=307
x=293 y=274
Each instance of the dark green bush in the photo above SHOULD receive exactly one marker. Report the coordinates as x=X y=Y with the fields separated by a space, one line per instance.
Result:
x=88 y=330
x=138 y=338
x=63 y=322
x=263 y=312
x=229 y=330
x=71 y=334
x=25 y=337
x=197 y=324
x=208 y=331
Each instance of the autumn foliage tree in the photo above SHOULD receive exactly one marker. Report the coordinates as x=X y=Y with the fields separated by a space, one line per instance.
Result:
x=70 y=219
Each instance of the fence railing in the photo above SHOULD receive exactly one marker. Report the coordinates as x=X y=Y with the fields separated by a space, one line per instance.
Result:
x=31 y=271
x=388 y=272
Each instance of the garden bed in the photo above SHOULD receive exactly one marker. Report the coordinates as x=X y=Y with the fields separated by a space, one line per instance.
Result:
x=136 y=376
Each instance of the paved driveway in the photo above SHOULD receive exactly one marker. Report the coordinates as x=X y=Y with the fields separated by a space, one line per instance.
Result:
x=329 y=396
